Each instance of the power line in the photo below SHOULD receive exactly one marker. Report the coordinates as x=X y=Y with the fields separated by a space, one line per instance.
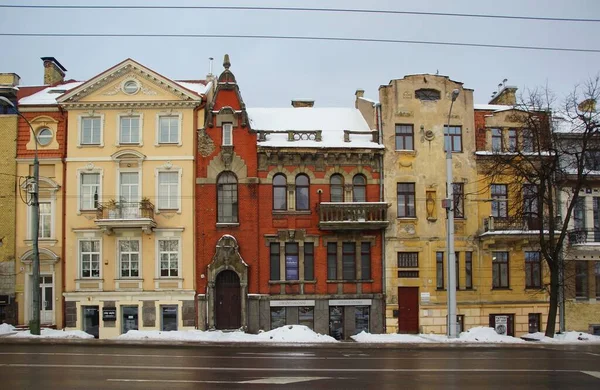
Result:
x=305 y=9
x=305 y=38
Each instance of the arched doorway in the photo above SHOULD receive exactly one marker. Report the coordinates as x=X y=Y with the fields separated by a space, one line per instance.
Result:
x=227 y=301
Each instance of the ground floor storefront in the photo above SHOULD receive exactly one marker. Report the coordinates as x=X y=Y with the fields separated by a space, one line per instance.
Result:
x=108 y=314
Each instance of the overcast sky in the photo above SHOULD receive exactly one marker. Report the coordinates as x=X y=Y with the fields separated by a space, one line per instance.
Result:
x=272 y=72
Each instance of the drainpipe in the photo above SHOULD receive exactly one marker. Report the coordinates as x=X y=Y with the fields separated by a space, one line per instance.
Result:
x=381 y=199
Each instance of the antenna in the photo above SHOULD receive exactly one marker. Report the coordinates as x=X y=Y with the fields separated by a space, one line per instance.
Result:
x=210 y=63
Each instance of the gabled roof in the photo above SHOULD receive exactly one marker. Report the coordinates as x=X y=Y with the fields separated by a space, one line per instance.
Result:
x=186 y=90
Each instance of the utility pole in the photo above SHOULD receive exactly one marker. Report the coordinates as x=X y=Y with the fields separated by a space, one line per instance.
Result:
x=449 y=205
x=33 y=190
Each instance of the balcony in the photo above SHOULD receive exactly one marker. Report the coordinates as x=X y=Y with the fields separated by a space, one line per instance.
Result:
x=584 y=237
x=514 y=225
x=353 y=216
x=119 y=215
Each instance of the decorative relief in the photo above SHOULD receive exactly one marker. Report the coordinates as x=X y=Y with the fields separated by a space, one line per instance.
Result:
x=227 y=156
x=206 y=146
x=404 y=113
x=410 y=229
x=147 y=91
x=90 y=166
x=320 y=160
x=407 y=95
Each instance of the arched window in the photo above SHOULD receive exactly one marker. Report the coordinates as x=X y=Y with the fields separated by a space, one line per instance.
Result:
x=359 y=189
x=227 y=198
x=302 y=197
x=336 y=183
x=279 y=192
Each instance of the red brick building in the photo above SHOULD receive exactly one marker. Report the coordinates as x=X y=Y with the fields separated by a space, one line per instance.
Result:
x=289 y=217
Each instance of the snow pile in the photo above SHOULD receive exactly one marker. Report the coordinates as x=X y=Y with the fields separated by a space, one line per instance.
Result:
x=565 y=338
x=284 y=334
x=6 y=329
x=54 y=334
x=478 y=334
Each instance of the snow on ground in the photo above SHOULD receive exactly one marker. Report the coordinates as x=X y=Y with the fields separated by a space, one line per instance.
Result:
x=10 y=331
x=474 y=335
x=284 y=334
x=564 y=338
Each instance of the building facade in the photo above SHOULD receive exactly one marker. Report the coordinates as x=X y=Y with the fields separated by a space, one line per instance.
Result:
x=130 y=222
x=289 y=217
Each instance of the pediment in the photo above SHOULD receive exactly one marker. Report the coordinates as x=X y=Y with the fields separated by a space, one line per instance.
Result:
x=127 y=82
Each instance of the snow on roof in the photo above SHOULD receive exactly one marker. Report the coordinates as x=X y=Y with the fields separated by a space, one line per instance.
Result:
x=332 y=122
x=492 y=107
x=368 y=100
x=197 y=86
x=48 y=96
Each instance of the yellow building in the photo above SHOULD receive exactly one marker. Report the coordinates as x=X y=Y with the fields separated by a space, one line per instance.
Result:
x=130 y=218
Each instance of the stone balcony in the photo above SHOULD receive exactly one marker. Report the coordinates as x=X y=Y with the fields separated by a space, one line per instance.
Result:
x=584 y=238
x=115 y=215
x=353 y=216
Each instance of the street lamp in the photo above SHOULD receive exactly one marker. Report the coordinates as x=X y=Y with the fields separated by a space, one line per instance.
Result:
x=449 y=204
x=34 y=323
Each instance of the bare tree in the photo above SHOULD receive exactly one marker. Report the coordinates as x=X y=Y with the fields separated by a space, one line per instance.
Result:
x=555 y=157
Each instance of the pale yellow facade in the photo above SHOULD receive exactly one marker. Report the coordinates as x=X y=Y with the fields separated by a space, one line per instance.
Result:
x=116 y=256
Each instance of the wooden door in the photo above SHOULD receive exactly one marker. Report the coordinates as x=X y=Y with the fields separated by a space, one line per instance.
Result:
x=408 y=310
x=227 y=301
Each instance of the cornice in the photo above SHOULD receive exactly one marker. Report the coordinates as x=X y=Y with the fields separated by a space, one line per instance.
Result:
x=138 y=104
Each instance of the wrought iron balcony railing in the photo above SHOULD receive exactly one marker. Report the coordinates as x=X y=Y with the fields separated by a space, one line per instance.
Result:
x=584 y=236
x=110 y=215
x=353 y=216
x=520 y=224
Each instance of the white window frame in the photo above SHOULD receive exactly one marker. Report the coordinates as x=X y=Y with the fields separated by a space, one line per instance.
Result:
x=158 y=253
x=80 y=258
x=118 y=254
x=118 y=182
x=171 y=169
x=46 y=196
x=81 y=172
x=179 y=117
x=80 y=132
x=227 y=129
x=132 y=114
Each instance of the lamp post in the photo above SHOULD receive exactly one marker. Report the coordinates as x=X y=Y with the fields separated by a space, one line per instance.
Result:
x=34 y=323
x=449 y=204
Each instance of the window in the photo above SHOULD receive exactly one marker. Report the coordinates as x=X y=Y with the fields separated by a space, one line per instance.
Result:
x=453 y=137
x=579 y=213
x=168 y=129
x=336 y=187
x=404 y=137
x=227 y=134
x=533 y=270
x=530 y=200
x=129 y=130
x=408 y=259
x=89 y=256
x=90 y=131
x=44 y=136
x=527 y=140
x=331 y=261
x=168 y=190
x=348 y=261
x=468 y=270
x=45 y=220
x=581 y=279
x=500 y=270
x=309 y=261
x=278 y=317
x=168 y=318
x=512 y=140
x=439 y=270
x=359 y=188
x=534 y=321
x=89 y=191
x=306 y=316
x=279 y=192
x=499 y=200
x=365 y=260
x=131 y=87
x=302 y=196
x=458 y=195
x=427 y=94
x=406 y=200
x=497 y=140
x=592 y=160
x=274 y=260
x=361 y=319
x=227 y=198
x=597 y=277
x=129 y=258
x=291 y=261
x=168 y=253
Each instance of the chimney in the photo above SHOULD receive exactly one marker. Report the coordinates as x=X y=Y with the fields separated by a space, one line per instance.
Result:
x=9 y=79
x=358 y=94
x=300 y=103
x=588 y=105
x=506 y=96
x=54 y=72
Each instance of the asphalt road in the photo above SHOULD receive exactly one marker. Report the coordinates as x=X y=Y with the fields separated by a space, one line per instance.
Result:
x=147 y=367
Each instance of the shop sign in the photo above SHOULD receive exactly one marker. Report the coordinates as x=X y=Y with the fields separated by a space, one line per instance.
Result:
x=350 y=302
x=109 y=314
x=292 y=302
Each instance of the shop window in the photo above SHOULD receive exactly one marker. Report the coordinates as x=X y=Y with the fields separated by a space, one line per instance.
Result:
x=336 y=322
x=278 y=318
x=361 y=319
x=306 y=316
x=168 y=318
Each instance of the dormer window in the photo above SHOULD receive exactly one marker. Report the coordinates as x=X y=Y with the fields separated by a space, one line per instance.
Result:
x=227 y=134
x=427 y=94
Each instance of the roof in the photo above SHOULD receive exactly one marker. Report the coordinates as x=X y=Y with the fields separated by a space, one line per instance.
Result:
x=492 y=107
x=48 y=95
x=332 y=122
x=200 y=87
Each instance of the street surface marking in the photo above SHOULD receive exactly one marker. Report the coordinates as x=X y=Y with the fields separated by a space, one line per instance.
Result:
x=595 y=374
x=593 y=354
x=267 y=381
x=277 y=353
